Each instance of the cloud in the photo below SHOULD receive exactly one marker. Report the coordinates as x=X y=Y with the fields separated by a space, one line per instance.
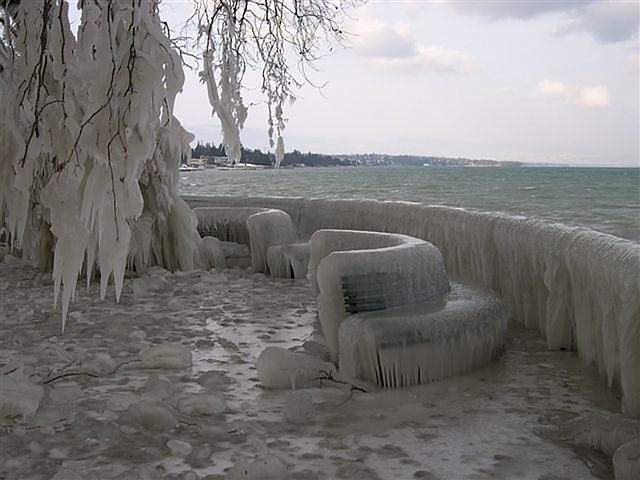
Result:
x=379 y=41
x=597 y=97
x=588 y=96
x=553 y=88
x=392 y=47
x=607 y=21
x=523 y=10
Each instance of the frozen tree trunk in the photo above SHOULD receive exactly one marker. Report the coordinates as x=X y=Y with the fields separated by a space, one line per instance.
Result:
x=90 y=145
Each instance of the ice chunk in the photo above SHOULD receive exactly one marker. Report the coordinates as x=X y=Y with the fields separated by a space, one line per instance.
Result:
x=299 y=408
x=152 y=415
x=281 y=368
x=264 y=468
x=201 y=404
x=423 y=343
x=18 y=396
x=626 y=461
x=166 y=356
x=213 y=379
x=179 y=448
x=158 y=387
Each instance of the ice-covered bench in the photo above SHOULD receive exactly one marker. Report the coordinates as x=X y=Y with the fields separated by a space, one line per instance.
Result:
x=389 y=314
x=422 y=343
x=269 y=233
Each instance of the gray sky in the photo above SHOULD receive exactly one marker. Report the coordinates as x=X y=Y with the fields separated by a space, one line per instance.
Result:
x=542 y=81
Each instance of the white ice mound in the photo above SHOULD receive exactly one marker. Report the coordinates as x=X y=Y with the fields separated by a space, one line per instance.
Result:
x=152 y=415
x=353 y=271
x=18 y=396
x=423 y=343
x=283 y=369
x=179 y=448
x=166 y=356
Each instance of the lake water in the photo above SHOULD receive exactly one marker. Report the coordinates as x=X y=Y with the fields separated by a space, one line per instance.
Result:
x=605 y=199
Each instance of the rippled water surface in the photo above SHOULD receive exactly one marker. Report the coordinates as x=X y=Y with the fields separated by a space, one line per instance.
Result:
x=605 y=199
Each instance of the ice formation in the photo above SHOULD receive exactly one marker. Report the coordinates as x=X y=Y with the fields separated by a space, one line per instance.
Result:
x=283 y=369
x=90 y=144
x=613 y=435
x=268 y=228
x=578 y=287
x=212 y=253
x=228 y=224
x=260 y=228
x=355 y=271
x=152 y=415
x=166 y=356
x=423 y=343
x=288 y=261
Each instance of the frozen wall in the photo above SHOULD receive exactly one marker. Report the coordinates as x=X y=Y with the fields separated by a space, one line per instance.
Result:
x=578 y=287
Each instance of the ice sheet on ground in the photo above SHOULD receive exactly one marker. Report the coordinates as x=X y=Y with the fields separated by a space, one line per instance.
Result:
x=501 y=421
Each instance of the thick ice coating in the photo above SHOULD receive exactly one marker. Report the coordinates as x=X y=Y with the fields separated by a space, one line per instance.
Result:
x=363 y=271
x=578 y=287
x=228 y=224
x=423 y=343
x=268 y=228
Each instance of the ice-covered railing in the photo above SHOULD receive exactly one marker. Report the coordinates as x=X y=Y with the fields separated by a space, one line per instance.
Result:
x=391 y=269
x=578 y=287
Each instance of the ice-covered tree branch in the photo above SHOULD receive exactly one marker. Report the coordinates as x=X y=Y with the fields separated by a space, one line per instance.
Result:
x=279 y=38
x=91 y=148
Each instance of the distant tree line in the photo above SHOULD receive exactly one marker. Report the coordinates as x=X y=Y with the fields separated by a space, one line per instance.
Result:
x=258 y=157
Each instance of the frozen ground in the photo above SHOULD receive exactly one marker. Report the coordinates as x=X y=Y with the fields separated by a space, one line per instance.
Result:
x=115 y=417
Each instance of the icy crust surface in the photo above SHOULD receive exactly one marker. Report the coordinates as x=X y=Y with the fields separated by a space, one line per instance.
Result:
x=420 y=344
x=211 y=419
x=579 y=288
x=355 y=269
